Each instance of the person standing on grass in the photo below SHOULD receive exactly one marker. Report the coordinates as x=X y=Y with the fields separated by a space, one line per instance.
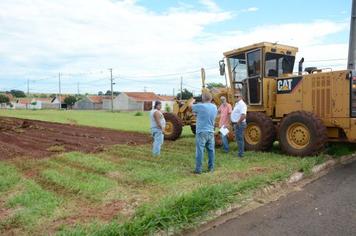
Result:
x=224 y=111
x=238 y=119
x=158 y=124
x=205 y=113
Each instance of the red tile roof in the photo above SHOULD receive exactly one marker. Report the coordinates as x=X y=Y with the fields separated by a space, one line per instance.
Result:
x=24 y=100
x=142 y=96
x=166 y=98
x=96 y=99
x=48 y=100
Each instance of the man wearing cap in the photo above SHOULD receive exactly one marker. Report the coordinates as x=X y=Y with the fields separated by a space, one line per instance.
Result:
x=224 y=111
x=238 y=119
x=158 y=124
x=206 y=113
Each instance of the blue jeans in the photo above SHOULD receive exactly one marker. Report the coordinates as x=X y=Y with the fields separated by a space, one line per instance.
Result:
x=158 y=138
x=225 y=142
x=239 y=135
x=204 y=140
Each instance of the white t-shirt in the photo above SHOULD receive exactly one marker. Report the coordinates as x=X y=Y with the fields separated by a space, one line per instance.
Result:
x=239 y=109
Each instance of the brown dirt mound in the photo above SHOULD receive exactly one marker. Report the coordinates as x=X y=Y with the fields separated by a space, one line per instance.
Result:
x=30 y=138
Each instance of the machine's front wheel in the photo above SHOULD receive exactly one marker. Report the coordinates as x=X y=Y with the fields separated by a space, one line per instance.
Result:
x=302 y=134
x=173 y=128
x=260 y=132
x=194 y=129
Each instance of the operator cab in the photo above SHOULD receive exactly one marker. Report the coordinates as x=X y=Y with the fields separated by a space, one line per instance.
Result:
x=246 y=68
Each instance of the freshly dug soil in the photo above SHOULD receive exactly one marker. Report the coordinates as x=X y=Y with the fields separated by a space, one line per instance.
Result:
x=31 y=138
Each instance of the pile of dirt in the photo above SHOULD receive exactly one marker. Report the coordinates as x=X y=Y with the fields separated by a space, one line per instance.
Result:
x=30 y=138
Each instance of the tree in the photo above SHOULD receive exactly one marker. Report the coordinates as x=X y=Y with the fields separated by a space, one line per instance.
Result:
x=214 y=85
x=70 y=101
x=100 y=93
x=115 y=93
x=4 y=99
x=186 y=94
x=53 y=95
x=18 y=93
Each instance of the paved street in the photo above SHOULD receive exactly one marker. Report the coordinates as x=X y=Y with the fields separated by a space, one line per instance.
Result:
x=324 y=207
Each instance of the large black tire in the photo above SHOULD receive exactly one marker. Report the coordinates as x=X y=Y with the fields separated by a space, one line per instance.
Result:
x=302 y=134
x=194 y=129
x=173 y=126
x=260 y=132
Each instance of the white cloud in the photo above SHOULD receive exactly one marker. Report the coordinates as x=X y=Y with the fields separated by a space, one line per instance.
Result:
x=41 y=38
x=210 y=4
x=250 y=9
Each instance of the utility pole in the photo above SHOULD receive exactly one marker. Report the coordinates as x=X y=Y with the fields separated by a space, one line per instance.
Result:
x=352 y=40
x=174 y=92
x=28 y=88
x=59 y=90
x=112 y=90
x=78 y=89
x=181 y=87
x=28 y=93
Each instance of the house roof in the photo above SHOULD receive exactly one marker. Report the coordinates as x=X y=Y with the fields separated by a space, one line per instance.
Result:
x=62 y=98
x=142 y=96
x=48 y=100
x=166 y=98
x=95 y=99
x=9 y=95
x=23 y=100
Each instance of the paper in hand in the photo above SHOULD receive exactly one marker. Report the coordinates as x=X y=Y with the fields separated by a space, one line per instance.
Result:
x=224 y=131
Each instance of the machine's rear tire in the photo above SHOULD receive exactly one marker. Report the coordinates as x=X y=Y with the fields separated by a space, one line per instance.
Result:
x=194 y=129
x=302 y=134
x=174 y=126
x=260 y=132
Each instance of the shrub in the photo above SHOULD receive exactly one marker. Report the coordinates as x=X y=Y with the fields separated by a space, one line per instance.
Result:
x=167 y=108
x=139 y=113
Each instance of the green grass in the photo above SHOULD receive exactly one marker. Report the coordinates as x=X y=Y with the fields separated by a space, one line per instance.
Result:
x=124 y=190
x=90 y=185
x=118 y=120
x=340 y=149
x=8 y=177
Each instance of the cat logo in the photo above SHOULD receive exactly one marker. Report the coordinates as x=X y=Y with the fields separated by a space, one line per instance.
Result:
x=288 y=85
x=284 y=85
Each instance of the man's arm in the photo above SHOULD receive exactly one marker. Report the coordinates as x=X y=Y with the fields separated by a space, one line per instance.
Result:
x=157 y=117
x=243 y=114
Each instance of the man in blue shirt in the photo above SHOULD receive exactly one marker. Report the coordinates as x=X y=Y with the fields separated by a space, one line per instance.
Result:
x=206 y=113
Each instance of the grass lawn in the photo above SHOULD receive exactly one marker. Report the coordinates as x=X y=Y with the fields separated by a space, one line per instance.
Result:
x=127 y=121
x=123 y=190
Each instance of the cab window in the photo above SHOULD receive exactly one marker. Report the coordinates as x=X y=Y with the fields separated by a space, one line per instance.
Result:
x=278 y=64
x=254 y=63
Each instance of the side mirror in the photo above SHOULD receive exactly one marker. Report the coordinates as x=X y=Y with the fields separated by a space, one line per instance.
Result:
x=222 y=67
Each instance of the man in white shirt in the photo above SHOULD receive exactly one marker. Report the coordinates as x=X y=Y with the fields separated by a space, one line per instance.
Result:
x=238 y=119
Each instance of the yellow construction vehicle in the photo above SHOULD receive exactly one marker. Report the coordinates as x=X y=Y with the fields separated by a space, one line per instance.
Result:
x=302 y=111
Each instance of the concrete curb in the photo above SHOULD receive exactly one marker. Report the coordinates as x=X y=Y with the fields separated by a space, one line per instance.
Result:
x=270 y=193
x=298 y=176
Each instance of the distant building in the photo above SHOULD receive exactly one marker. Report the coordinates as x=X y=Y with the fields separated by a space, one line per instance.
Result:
x=90 y=103
x=32 y=103
x=55 y=101
x=137 y=101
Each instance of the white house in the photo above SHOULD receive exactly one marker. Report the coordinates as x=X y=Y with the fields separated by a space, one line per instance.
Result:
x=138 y=101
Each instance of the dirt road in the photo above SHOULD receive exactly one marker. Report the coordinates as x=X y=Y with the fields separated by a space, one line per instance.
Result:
x=324 y=207
x=29 y=138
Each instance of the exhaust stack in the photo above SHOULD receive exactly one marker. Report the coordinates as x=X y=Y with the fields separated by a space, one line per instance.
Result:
x=352 y=40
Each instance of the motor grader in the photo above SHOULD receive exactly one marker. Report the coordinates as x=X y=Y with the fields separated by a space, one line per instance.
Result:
x=303 y=110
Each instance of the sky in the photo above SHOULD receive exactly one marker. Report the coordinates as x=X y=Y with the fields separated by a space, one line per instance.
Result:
x=151 y=44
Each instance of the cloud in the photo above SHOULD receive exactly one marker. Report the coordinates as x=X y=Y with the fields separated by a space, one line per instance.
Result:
x=250 y=9
x=211 y=5
x=82 y=39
